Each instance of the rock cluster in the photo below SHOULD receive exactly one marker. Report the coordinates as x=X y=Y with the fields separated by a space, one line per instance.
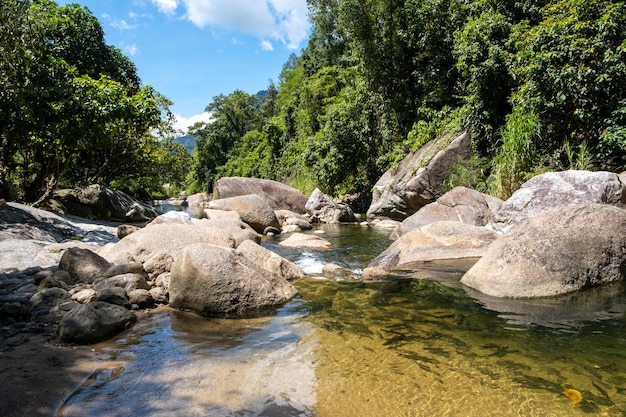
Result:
x=560 y=232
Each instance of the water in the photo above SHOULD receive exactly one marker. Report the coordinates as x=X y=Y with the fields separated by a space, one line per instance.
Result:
x=406 y=347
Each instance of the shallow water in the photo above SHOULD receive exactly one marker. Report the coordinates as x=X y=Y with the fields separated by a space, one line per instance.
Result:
x=407 y=347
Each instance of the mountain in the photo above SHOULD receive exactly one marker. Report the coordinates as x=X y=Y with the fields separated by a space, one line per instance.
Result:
x=188 y=141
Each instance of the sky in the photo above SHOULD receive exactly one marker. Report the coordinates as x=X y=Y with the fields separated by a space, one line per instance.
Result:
x=193 y=50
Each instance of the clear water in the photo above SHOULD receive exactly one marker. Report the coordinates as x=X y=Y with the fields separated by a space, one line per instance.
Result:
x=406 y=347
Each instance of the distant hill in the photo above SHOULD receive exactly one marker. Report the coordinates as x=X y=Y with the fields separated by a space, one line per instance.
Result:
x=188 y=141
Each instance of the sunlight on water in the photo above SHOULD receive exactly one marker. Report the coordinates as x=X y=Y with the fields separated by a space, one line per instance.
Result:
x=398 y=348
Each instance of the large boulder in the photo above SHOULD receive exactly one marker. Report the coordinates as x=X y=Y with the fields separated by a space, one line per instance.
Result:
x=323 y=209
x=457 y=205
x=419 y=179
x=279 y=196
x=84 y=265
x=239 y=230
x=271 y=261
x=102 y=203
x=555 y=252
x=432 y=242
x=220 y=282
x=252 y=209
x=94 y=322
x=560 y=189
x=162 y=240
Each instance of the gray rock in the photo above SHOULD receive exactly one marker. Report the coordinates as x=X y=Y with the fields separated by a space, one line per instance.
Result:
x=128 y=282
x=218 y=281
x=84 y=296
x=458 y=205
x=124 y=230
x=419 y=179
x=83 y=265
x=162 y=241
x=555 y=252
x=270 y=261
x=94 y=322
x=252 y=209
x=102 y=203
x=278 y=195
x=432 y=242
x=239 y=230
x=141 y=298
x=160 y=295
x=560 y=189
x=49 y=300
x=114 y=295
x=306 y=241
x=324 y=209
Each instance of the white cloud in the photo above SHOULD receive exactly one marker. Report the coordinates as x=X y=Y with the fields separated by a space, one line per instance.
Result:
x=267 y=45
x=280 y=20
x=131 y=50
x=166 y=6
x=183 y=123
x=123 y=25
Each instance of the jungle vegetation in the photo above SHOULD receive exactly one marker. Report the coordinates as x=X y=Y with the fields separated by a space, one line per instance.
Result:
x=540 y=85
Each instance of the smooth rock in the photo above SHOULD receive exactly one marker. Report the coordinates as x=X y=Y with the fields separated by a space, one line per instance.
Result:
x=555 y=252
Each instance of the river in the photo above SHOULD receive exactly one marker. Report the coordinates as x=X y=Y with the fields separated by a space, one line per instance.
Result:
x=405 y=347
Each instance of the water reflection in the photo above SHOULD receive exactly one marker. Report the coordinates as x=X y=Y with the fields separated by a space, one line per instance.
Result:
x=567 y=312
x=405 y=347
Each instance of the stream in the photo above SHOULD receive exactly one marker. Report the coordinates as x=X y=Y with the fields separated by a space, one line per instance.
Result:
x=403 y=347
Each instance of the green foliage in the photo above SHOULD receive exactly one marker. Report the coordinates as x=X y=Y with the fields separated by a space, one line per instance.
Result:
x=517 y=157
x=471 y=173
x=71 y=107
x=538 y=85
x=572 y=68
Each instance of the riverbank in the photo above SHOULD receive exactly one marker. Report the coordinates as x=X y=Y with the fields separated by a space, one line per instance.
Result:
x=37 y=375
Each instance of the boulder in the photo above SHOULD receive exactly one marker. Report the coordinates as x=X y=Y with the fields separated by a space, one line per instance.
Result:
x=99 y=202
x=49 y=299
x=554 y=252
x=140 y=298
x=129 y=282
x=432 y=242
x=213 y=214
x=252 y=209
x=323 y=209
x=94 y=322
x=560 y=189
x=114 y=295
x=124 y=230
x=279 y=196
x=306 y=241
x=419 y=179
x=270 y=261
x=84 y=265
x=86 y=295
x=457 y=205
x=220 y=282
x=239 y=230
x=162 y=241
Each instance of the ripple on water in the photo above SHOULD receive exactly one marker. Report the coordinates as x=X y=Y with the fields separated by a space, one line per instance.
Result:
x=398 y=348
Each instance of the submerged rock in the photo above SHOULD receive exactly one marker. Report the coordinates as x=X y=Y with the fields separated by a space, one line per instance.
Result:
x=432 y=242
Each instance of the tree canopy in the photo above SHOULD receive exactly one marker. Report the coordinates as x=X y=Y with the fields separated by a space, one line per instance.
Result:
x=72 y=108
x=539 y=85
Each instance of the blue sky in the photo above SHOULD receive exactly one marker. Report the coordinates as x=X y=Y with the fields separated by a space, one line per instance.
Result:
x=193 y=50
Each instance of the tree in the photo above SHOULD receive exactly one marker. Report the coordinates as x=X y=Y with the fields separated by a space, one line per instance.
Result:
x=67 y=100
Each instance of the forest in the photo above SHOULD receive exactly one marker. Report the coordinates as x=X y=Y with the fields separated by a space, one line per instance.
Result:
x=539 y=85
